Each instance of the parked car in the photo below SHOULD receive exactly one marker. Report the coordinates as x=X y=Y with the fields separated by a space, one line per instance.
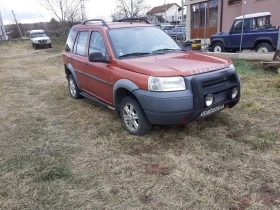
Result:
x=168 y=28
x=179 y=33
x=39 y=39
x=258 y=35
x=142 y=74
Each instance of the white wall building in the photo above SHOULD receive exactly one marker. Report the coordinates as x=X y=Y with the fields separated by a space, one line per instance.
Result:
x=167 y=13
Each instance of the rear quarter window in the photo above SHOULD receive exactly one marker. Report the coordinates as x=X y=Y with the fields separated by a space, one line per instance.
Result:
x=70 y=40
x=81 y=42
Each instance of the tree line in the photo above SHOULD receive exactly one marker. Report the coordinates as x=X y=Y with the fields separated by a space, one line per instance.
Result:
x=67 y=13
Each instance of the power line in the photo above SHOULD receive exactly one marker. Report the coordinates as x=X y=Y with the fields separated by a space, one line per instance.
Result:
x=7 y=13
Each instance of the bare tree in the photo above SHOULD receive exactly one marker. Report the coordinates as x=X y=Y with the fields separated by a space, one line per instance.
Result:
x=129 y=9
x=63 y=10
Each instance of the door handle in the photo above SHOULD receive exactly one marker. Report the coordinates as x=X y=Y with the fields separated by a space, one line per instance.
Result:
x=86 y=63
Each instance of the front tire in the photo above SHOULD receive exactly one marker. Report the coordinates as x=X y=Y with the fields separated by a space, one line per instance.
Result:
x=218 y=47
x=73 y=88
x=50 y=45
x=264 y=47
x=133 y=117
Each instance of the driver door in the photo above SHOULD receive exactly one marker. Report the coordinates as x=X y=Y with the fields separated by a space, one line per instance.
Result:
x=99 y=73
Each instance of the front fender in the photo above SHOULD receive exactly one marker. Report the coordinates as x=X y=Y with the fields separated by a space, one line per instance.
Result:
x=217 y=40
x=126 y=84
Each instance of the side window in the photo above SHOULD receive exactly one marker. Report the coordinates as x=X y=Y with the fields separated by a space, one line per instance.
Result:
x=70 y=40
x=81 y=42
x=238 y=25
x=97 y=43
x=260 y=23
x=253 y=23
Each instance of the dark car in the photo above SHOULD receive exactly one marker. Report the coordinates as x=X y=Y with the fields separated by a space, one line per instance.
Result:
x=257 y=34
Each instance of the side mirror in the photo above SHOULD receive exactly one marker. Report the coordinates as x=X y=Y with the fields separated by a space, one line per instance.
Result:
x=98 y=57
x=67 y=48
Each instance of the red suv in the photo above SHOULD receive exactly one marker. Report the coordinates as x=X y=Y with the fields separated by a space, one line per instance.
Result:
x=140 y=72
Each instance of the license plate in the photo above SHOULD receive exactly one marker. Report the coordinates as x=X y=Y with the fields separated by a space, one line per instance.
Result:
x=212 y=110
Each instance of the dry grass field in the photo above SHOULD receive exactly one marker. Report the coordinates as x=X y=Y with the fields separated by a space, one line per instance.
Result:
x=61 y=153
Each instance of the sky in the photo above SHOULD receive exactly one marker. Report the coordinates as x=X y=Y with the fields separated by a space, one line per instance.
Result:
x=30 y=11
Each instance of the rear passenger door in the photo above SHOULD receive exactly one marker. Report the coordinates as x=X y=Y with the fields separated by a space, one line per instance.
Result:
x=79 y=58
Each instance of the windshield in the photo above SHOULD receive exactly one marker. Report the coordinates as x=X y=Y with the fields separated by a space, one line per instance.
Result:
x=179 y=29
x=35 y=35
x=141 y=41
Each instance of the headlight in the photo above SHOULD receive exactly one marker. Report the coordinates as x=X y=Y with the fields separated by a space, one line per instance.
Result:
x=166 y=84
x=209 y=99
x=231 y=66
x=234 y=93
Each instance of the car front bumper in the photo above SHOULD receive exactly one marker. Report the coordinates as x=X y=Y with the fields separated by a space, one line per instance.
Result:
x=185 y=106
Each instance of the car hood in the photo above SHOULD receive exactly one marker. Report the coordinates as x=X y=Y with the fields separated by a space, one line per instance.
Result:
x=175 y=64
x=221 y=34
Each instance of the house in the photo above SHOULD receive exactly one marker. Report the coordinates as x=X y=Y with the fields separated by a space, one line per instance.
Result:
x=167 y=13
x=207 y=17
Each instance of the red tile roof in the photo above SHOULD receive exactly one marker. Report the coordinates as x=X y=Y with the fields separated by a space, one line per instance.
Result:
x=161 y=8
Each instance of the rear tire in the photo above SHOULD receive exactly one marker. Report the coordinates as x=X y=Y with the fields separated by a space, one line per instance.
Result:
x=133 y=117
x=264 y=47
x=218 y=47
x=73 y=88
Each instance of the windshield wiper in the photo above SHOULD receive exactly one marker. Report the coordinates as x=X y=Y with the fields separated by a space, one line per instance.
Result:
x=134 y=54
x=165 y=50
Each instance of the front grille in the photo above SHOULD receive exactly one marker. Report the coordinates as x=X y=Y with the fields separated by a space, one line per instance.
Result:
x=219 y=83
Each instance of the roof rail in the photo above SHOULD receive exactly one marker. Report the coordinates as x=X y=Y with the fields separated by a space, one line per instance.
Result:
x=133 y=20
x=96 y=20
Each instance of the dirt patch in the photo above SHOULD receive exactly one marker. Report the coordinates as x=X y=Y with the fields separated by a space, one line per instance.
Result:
x=157 y=169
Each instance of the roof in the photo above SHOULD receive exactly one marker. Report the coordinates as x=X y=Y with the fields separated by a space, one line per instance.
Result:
x=112 y=25
x=37 y=31
x=260 y=14
x=161 y=8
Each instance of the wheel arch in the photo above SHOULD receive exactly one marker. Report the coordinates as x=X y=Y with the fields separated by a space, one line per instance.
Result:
x=263 y=40
x=121 y=89
x=218 y=40
x=70 y=70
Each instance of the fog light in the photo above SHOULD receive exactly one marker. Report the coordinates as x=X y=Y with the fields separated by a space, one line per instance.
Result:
x=209 y=99
x=234 y=93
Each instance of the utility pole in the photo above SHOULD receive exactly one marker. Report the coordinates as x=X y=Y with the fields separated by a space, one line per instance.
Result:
x=131 y=8
x=165 y=11
x=182 y=10
x=278 y=44
x=83 y=10
x=17 y=24
x=242 y=30
x=205 y=22
x=2 y=29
